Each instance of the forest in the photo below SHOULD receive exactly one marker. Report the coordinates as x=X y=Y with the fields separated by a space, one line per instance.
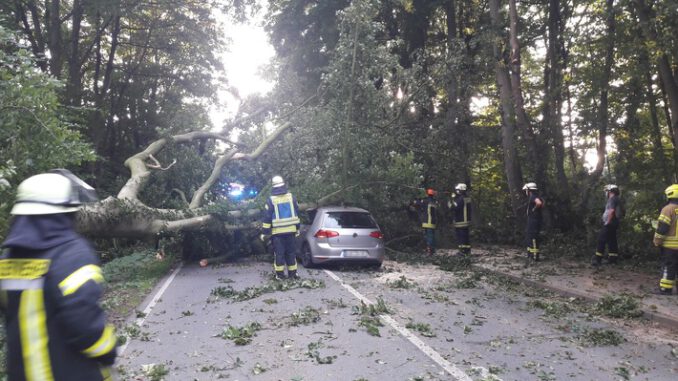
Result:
x=373 y=102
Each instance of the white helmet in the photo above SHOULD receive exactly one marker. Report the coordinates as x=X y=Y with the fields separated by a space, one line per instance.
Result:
x=460 y=187
x=59 y=191
x=530 y=186
x=277 y=181
x=611 y=188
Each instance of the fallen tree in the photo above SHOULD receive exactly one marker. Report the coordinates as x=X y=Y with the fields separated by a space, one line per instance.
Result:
x=126 y=216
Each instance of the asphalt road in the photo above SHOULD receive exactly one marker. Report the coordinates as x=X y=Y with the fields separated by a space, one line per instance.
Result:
x=424 y=324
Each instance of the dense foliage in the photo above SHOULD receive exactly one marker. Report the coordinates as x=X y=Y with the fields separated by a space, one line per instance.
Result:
x=572 y=94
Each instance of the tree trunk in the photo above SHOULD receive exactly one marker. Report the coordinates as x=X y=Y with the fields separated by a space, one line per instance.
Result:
x=537 y=161
x=74 y=84
x=54 y=40
x=511 y=162
x=665 y=73
x=553 y=90
x=603 y=110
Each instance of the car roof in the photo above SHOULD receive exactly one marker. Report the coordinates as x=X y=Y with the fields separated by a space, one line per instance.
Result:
x=341 y=209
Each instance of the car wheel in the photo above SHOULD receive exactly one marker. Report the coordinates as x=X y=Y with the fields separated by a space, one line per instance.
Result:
x=306 y=256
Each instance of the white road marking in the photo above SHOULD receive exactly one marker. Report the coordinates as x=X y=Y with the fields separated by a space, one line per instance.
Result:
x=457 y=373
x=140 y=321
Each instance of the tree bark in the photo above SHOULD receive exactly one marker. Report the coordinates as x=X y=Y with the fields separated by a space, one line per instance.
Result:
x=537 y=161
x=54 y=40
x=511 y=161
x=553 y=89
x=666 y=75
x=74 y=84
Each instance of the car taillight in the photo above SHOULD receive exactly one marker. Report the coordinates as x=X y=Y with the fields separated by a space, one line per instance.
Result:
x=377 y=235
x=325 y=234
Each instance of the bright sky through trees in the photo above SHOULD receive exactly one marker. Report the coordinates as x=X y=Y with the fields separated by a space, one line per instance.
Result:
x=248 y=52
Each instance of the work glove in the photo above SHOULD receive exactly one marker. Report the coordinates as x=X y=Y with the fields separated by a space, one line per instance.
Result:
x=262 y=237
x=297 y=233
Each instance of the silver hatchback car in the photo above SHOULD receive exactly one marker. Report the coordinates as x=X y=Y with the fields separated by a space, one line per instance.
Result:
x=344 y=234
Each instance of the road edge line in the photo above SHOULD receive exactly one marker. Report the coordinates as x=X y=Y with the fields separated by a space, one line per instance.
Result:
x=141 y=320
x=406 y=333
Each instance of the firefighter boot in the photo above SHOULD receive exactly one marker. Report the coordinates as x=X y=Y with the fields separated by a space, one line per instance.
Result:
x=293 y=274
x=597 y=260
x=528 y=259
x=612 y=258
x=280 y=275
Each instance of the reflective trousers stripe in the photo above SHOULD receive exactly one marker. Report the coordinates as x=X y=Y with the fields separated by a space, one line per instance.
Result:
x=33 y=328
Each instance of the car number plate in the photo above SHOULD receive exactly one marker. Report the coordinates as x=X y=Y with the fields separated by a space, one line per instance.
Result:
x=357 y=253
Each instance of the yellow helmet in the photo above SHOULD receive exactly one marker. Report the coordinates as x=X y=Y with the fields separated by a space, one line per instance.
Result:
x=671 y=191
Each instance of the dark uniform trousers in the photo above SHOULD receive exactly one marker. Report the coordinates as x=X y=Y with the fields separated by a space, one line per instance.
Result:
x=608 y=238
x=669 y=269
x=463 y=240
x=532 y=239
x=285 y=250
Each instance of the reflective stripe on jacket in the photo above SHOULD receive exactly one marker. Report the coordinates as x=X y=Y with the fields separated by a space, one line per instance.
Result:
x=462 y=211
x=56 y=330
x=281 y=215
x=666 y=234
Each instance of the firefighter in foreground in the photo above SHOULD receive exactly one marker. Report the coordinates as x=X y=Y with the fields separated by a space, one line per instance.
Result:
x=461 y=217
x=426 y=209
x=666 y=238
x=608 y=233
x=51 y=284
x=534 y=208
x=281 y=222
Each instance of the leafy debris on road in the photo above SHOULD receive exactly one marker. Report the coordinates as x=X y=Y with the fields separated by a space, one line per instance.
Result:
x=401 y=282
x=369 y=315
x=305 y=316
x=470 y=281
x=258 y=369
x=551 y=309
x=598 y=337
x=155 y=372
x=272 y=286
x=314 y=353
x=423 y=328
x=241 y=335
x=623 y=306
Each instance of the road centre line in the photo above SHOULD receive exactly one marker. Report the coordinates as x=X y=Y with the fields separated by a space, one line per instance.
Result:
x=459 y=374
x=140 y=321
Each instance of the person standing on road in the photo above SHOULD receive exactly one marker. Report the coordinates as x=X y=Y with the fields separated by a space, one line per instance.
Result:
x=51 y=285
x=608 y=233
x=666 y=238
x=534 y=216
x=281 y=222
x=428 y=218
x=461 y=218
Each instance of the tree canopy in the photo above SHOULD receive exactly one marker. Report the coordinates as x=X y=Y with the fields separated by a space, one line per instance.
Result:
x=374 y=100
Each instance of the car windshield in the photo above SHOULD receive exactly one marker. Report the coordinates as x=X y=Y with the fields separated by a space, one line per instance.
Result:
x=355 y=220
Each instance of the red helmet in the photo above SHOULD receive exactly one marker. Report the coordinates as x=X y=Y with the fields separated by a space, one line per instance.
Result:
x=430 y=192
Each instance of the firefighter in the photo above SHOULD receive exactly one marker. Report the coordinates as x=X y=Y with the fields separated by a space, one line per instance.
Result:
x=666 y=238
x=461 y=217
x=427 y=216
x=281 y=222
x=51 y=285
x=534 y=207
x=608 y=232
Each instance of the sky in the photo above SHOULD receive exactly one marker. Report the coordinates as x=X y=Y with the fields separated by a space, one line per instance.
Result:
x=247 y=53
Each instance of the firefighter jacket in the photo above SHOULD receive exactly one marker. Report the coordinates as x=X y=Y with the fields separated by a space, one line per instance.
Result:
x=461 y=211
x=427 y=212
x=534 y=213
x=50 y=287
x=281 y=214
x=666 y=235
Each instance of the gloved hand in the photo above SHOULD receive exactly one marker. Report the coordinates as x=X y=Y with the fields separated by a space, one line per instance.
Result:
x=262 y=237
x=297 y=234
